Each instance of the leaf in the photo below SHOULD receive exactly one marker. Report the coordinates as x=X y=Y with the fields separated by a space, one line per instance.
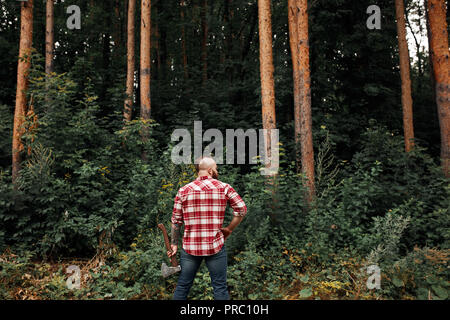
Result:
x=440 y=292
x=397 y=282
x=305 y=293
x=305 y=278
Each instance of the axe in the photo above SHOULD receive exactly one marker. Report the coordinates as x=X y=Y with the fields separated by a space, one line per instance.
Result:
x=166 y=270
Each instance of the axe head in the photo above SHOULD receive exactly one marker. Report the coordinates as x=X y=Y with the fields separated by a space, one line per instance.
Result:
x=168 y=271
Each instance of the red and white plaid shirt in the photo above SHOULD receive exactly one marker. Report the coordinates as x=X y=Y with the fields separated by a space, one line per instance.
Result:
x=201 y=206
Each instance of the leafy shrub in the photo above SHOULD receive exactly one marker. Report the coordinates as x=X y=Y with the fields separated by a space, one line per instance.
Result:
x=91 y=186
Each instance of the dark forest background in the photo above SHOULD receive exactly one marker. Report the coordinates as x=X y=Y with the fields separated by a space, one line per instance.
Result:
x=87 y=197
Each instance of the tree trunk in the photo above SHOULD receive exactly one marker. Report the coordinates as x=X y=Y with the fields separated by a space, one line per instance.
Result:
x=116 y=34
x=106 y=62
x=156 y=39
x=293 y=41
x=34 y=124
x=204 y=41
x=163 y=62
x=430 y=60
x=228 y=25
x=302 y=109
x=245 y=47
x=145 y=68
x=418 y=51
x=49 y=37
x=26 y=41
x=183 y=40
x=407 y=103
x=440 y=52
x=268 y=99
x=128 y=108
x=266 y=66
x=145 y=59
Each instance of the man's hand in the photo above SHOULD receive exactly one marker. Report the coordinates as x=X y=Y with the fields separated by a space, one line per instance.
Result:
x=226 y=232
x=174 y=250
x=175 y=234
x=233 y=224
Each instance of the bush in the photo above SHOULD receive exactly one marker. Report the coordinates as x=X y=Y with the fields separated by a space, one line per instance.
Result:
x=90 y=186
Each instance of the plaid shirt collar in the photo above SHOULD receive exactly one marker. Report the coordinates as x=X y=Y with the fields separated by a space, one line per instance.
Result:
x=203 y=178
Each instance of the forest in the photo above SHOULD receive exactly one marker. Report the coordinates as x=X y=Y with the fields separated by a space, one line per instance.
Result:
x=358 y=91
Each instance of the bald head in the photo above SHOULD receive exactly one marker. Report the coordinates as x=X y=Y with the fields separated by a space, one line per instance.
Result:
x=206 y=166
x=206 y=163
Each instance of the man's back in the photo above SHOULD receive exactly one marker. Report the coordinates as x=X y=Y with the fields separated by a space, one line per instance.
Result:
x=201 y=206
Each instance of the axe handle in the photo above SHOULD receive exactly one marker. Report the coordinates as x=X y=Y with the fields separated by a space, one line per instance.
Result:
x=173 y=259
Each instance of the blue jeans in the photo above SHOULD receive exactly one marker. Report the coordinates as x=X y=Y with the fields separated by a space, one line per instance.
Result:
x=217 y=266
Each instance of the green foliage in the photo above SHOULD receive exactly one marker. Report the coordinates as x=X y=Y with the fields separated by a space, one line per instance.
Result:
x=111 y=205
x=6 y=126
x=76 y=181
x=382 y=179
x=12 y=271
x=91 y=186
x=422 y=274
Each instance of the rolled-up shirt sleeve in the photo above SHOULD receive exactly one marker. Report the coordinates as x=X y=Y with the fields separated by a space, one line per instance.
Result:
x=177 y=213
x=236 y=202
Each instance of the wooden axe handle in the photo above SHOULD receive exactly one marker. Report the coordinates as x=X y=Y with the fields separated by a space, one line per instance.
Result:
x=173 y=259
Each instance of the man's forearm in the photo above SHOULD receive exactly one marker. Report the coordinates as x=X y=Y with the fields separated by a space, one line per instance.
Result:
x=235 y=222
x=175 y=233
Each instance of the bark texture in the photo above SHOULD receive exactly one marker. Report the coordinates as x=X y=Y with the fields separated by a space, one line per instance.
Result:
x=116 y=34
x=293 y=41
x=128 y=108
x=407 y=102
x=49 y=36
x=266 y=66
x=268 y=100
x=298 y=32
x=26 y=42
x=440 y=52
x=145 y=59
x=145 y=74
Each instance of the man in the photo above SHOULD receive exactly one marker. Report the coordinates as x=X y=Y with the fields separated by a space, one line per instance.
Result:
x=201 y=205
